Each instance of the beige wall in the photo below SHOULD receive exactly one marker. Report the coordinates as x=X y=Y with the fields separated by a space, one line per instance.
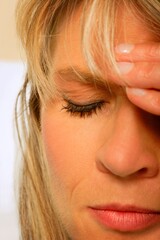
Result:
x=9 y=46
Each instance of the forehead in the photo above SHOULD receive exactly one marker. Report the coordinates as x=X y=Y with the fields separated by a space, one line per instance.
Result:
x=68 y=51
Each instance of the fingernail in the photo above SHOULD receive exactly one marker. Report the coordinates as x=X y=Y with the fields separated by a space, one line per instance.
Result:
x=136 y=91
x=124 y=48
x=125 y=67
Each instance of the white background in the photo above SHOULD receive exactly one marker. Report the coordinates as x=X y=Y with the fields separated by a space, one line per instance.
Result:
x=11 y=75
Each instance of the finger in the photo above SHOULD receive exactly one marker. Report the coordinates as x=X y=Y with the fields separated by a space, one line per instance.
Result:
x=149 y=52
x=148 y=100
x=140 y=75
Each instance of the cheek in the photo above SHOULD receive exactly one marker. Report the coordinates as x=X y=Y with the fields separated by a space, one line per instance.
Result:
x=69 y=149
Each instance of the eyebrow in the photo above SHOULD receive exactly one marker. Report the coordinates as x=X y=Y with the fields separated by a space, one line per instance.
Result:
x=86 y=77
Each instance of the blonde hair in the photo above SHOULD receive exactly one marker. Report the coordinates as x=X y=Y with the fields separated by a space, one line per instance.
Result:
x=37 y=24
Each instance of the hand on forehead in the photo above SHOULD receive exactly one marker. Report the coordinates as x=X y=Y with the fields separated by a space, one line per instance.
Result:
x=137 y=58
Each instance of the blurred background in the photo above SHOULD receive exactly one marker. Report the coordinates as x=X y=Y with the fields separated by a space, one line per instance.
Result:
x=11 y=77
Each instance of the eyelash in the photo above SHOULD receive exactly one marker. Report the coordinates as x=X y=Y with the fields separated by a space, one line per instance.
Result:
x=86 y=110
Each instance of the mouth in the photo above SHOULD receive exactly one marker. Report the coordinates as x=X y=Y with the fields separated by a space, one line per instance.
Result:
x=125 y=218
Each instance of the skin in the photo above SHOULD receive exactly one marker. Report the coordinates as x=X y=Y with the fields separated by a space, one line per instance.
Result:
x=97 y=160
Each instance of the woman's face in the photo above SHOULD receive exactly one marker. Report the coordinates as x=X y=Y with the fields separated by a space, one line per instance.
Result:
x=103 y=151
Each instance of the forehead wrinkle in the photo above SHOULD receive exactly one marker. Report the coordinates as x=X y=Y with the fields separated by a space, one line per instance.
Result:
x=74 y=74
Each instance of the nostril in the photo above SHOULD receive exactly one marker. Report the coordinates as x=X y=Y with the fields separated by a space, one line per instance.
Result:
x=101 y=167
x=142 y=171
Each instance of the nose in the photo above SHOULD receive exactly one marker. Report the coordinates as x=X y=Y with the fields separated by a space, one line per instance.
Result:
x=128 y=149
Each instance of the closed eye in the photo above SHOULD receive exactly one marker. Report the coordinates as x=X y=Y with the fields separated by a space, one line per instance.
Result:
x=83 y=110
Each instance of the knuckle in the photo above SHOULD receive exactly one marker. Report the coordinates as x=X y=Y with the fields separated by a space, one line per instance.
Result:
x=155 y=102
x=146 y=72
x=154 y=51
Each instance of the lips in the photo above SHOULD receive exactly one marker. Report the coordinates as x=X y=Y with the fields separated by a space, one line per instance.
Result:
x=125 y=218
